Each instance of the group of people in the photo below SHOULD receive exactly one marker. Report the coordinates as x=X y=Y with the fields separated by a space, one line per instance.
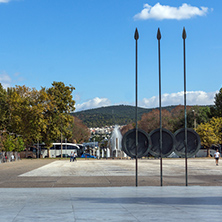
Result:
x=73 y=157
x=5 y=158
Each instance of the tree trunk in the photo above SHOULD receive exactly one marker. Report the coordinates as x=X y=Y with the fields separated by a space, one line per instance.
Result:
x=208 y=152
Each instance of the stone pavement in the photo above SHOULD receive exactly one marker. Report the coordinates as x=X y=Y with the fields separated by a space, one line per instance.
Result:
x=141 y=204
x=104 y=190
x=108 y=173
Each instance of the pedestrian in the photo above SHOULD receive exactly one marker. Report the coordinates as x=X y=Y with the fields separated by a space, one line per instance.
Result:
x=6 y=157
x=71 y=156
x=217 y=156
x=74 y=158
x=13 y=157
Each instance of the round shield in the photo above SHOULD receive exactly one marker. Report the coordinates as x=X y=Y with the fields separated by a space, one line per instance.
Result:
x=193 y=142
x=129 y=143
x=168 y=143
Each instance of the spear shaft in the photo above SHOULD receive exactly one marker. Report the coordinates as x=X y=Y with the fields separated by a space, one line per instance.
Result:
x=184 y=36
x=136 y=37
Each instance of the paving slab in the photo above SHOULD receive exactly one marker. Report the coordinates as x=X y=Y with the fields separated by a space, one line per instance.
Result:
x=104 y=190
x=142 y=204
x=108 y=173
x=146 y=167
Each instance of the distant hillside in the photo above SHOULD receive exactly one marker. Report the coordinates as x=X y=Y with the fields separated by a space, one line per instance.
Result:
x=112 y=115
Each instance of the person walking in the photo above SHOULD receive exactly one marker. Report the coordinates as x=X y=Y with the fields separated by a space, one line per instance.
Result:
x=74 y=158
x=6 y=157
x=217 y=156
x=71 y=156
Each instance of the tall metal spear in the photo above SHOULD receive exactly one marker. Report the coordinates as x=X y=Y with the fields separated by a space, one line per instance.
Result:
x=184 y=36
x=136 y=37
x=160 y=107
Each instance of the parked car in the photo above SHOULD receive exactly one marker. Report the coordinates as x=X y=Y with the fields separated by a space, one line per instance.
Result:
x=29 y=153
x=87 y=155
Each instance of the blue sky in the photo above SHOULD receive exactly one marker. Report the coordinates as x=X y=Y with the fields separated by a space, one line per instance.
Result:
x=90 y=45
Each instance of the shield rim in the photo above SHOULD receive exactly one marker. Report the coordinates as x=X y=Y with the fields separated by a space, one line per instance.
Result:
x=182 y=154
x=124 y=141
x=173 y=138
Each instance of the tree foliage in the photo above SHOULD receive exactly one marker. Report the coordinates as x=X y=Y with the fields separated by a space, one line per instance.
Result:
x=37 y=115
x=80 y=132
x=174 y=119
x=216 y=110
x=210 y=132
x=151 y=120
x=4 y=108
x=127 y=128
x=8 y=143
x=26 y=113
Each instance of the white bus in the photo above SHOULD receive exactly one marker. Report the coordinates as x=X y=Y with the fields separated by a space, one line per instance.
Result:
x=67 y=148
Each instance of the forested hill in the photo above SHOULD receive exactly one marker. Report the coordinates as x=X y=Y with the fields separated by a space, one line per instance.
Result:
x=111 y=115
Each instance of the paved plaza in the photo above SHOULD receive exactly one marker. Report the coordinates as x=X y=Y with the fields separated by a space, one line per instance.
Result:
x=108 y=173
x=104 y=190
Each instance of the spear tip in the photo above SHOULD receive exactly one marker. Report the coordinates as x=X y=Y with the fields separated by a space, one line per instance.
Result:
x=184 y=35
x=158 y=34
x=136 y=35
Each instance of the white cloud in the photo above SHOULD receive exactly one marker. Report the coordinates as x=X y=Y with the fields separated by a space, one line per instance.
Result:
x=93 y=103
x=5 y=80
x=161 y=12
x=193 y=98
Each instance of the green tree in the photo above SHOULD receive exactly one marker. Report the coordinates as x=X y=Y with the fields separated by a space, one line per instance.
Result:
x=4 y=108
x=2 y=138
x=26 y=113
x=197 y=115
x=9 y=143
x=178 y=117
x=216 y=110
x=58 y=105
x=38 y=115
x=19 y=144
x=62 y=97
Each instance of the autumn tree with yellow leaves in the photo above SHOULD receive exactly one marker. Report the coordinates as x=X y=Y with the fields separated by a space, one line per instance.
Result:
x=210 y=133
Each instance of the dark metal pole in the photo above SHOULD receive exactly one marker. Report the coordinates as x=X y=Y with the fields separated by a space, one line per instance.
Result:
x=184 y=36
x=160 y=107
x=136 y=37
